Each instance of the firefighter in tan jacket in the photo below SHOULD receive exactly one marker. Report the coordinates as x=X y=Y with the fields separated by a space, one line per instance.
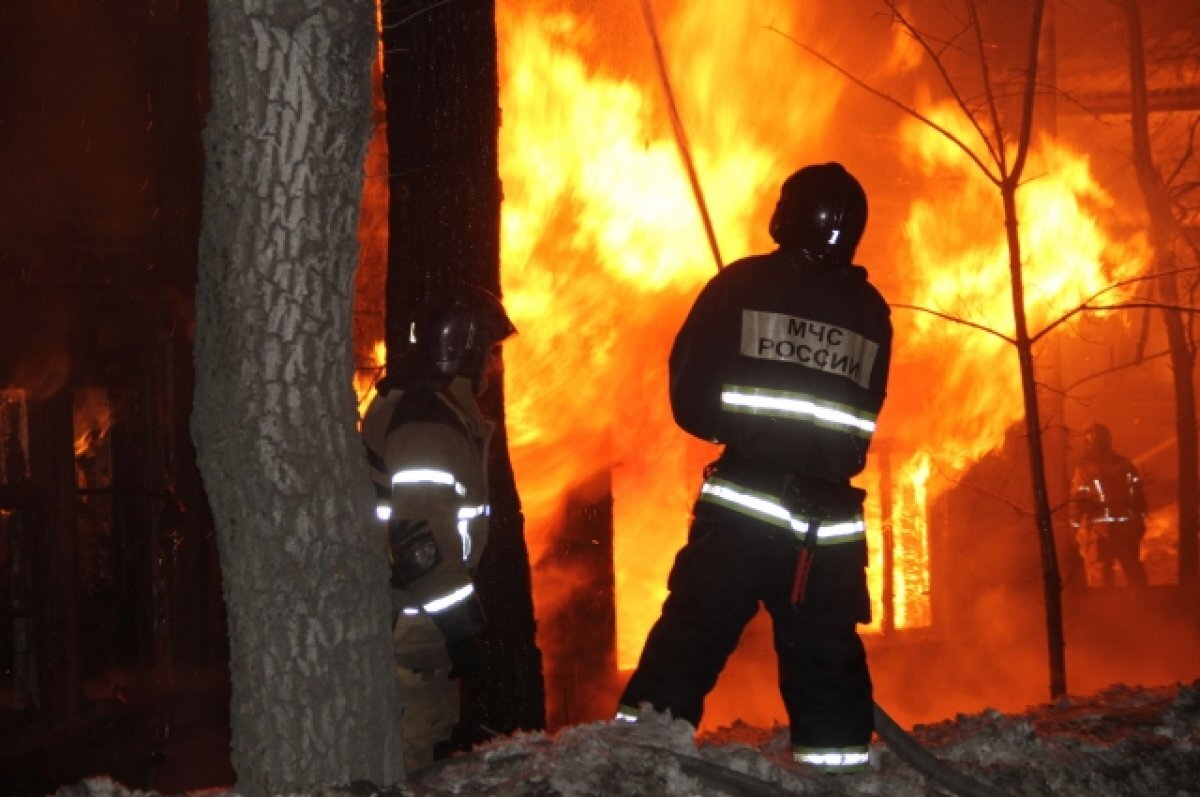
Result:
x=1108 y=511
x=427 y=445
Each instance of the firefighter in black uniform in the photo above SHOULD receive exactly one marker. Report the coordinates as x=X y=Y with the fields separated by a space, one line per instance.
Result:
x=783 y=360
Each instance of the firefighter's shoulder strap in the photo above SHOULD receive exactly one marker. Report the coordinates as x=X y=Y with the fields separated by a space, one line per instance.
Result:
x=422 y=404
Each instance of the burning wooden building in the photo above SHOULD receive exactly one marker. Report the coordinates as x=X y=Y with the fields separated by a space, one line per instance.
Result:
x=108 y=576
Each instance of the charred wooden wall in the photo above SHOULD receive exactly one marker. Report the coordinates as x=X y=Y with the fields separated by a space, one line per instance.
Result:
x=108 y=580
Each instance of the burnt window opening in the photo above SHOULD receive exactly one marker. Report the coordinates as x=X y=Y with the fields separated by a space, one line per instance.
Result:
x=108 y=571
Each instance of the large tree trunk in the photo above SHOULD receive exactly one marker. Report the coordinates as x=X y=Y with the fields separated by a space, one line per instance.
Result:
x=1164 y=234
x=314 y=699
x=442 y=91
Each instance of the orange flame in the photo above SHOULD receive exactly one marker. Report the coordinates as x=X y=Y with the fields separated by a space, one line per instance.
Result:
x=603 y=250
x=371 y=277
x=959 y=254
x=93 y=420
x=367 y=374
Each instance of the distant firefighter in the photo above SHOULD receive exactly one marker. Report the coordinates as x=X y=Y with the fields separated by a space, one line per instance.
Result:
x=1108 y=511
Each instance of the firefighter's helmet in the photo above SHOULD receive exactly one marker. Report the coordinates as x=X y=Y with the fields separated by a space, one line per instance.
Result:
x=1097 y=440
x=822 y=212
x=453 y=332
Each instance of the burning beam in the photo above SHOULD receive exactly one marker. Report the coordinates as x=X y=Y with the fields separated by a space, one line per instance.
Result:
x=685 y=149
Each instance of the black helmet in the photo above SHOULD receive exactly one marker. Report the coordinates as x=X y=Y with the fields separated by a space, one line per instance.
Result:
x=822 y=211
x=452 y=333
x=1097 y=439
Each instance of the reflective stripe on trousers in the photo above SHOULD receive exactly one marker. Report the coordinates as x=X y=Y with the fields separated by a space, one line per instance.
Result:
x=834 y=759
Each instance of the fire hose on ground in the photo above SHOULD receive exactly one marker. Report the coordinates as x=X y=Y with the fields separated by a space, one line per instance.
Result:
x=908 y=749
x=730 y=781
x=912 y=753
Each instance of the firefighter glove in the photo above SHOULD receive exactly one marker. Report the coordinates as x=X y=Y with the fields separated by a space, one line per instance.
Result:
x=413 y=551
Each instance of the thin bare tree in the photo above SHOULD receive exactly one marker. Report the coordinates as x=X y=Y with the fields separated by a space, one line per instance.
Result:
x=1167 y=237
x=1002 y=118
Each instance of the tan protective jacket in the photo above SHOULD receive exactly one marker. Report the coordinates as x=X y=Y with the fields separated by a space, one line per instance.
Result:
x=430 y=476
x=1107 y=490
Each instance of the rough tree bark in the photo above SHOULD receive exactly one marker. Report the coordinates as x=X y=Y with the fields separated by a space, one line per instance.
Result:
x=1164 y=235
x=314 y=701
x=442 y=90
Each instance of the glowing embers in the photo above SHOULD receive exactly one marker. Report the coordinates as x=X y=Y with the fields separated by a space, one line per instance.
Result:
x=93 y=451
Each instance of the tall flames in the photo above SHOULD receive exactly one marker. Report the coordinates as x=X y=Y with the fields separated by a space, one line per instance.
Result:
x=961 y=263
x=603 y=250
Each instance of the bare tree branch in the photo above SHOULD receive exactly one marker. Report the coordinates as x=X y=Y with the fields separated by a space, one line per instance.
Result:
x=956 y=319
x=1086 y=305
x=936 y=58
x=415 y=14
x=1083 y=307
x=1001 y=153
x=1016 y=508
x=1184 y=158
x=1067 y=390
x=1031 y=72
x=963 y=484
x=906 y=109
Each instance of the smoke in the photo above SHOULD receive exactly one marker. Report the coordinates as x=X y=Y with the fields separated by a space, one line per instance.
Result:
x=41 y=370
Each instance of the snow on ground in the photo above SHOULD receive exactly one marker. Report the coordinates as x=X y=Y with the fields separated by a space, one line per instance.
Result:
x=1123 y=741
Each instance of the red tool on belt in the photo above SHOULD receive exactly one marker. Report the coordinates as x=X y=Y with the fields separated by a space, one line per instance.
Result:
x=804 y=562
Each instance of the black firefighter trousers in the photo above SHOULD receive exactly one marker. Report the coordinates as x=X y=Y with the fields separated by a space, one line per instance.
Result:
x=730 y=563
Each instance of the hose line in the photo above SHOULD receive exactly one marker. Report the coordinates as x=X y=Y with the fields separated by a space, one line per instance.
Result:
x=925 y=762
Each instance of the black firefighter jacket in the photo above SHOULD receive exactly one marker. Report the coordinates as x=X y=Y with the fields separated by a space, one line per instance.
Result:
x=785 y=362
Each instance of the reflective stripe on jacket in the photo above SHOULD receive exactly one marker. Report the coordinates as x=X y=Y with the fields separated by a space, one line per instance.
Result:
x=785 y=361
x=1106 y=490
x=430 y=478
x=799 y=407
